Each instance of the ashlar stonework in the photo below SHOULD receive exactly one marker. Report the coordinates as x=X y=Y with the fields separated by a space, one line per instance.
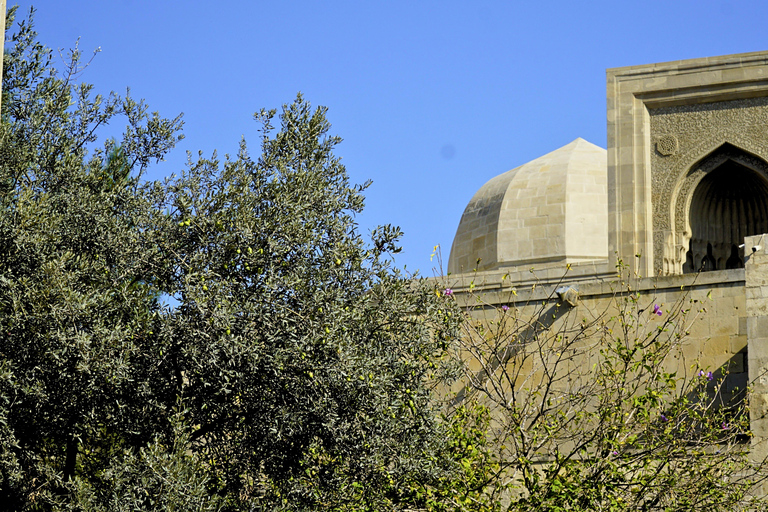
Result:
x=681 y=194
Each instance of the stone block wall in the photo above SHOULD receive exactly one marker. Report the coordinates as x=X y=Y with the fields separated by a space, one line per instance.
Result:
x=756 y=292
x=718 y=322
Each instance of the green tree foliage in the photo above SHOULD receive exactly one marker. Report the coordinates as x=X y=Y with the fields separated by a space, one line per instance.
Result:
x=305 y=360
x=474 y=483
x=295 y=368
x=159 y=476
x=77 y=256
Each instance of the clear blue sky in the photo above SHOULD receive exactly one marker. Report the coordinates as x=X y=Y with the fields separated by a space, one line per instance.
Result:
x=432 y=98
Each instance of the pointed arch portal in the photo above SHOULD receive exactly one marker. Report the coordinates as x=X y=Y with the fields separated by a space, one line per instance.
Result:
x=729 y=203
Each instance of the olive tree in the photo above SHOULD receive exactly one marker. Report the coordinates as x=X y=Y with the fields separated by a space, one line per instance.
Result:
x=223 y=339
x=307 y=363
x=79 y=299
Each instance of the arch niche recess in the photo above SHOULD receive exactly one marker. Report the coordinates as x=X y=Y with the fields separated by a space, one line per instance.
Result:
x=725 y=198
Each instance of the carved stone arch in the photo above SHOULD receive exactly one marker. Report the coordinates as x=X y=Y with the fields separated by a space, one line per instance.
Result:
x=675 y=184
x=688 y=178
x=670 y=238
x=673 y=179
x=704 y=166
x=721 y=198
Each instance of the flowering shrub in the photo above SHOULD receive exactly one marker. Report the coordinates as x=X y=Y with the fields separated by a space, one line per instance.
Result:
x=593 y=411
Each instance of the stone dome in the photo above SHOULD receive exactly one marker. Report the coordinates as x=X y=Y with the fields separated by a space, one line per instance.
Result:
x=552 y=210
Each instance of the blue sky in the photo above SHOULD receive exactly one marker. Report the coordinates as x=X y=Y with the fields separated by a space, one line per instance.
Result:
x=431 y=98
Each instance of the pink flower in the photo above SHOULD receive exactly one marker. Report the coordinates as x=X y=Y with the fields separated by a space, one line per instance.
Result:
x=448 y=291
x=505 y=307
x=657 y=309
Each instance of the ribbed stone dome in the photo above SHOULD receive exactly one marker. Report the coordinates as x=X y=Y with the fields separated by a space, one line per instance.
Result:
x=551 y=210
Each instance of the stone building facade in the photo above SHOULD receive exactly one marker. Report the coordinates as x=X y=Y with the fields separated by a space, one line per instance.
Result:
x=680 y=195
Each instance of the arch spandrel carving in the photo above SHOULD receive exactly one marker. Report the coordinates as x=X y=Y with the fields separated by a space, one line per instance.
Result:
x=728 y=203
x=672 y=244
x=698 y=171
x=701 y=131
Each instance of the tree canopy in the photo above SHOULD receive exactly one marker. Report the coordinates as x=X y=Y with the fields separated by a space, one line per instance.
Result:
x=223 y=339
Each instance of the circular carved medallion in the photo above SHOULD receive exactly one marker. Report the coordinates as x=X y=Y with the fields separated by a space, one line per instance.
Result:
x=667 y=145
